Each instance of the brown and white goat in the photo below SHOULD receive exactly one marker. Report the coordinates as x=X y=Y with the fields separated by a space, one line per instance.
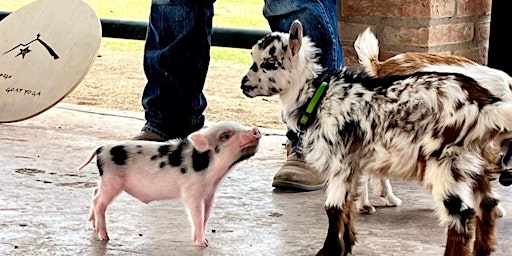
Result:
x=367 y=49
x=440 y=128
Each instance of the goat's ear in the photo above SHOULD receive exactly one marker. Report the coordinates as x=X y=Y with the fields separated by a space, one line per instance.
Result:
x=200 y=141
x=295 y=37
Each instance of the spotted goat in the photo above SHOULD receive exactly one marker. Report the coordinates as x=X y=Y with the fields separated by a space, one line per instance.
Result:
x=446 y=124
x=366 y=46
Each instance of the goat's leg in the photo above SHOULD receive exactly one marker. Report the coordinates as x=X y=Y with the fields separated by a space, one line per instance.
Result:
x=453 y=196
x=386 y=193
x=485 y=240
x=363 y=202
x=339 y=206
x=460 y=217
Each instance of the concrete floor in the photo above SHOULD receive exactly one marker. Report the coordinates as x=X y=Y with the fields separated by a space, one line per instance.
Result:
x=44 y=201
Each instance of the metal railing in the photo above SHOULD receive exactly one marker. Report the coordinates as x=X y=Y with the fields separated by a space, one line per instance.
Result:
x=222 y=36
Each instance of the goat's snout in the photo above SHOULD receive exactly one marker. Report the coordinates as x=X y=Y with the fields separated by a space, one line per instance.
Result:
x=246 y=89
x=245 y=79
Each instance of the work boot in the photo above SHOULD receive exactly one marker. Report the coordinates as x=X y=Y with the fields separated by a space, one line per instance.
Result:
x=147 y=136
x=296 y=175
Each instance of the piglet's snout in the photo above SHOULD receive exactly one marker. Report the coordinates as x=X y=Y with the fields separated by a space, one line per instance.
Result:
x=256 y=133
x=251 y=137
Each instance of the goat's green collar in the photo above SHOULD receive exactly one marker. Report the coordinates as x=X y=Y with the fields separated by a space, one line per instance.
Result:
x=307 y=115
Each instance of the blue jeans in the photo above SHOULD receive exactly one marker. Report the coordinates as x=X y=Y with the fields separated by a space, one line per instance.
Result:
x=176 y=59
x=177 y=55
x=320 y=23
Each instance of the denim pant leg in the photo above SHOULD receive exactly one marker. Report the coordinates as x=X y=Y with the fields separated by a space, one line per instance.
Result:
x=176 y=59
x=320 y=21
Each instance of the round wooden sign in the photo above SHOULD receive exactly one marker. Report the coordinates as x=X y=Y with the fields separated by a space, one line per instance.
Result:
x=46 y=49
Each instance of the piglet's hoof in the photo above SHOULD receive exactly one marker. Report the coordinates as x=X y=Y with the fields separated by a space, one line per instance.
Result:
x=202 y=242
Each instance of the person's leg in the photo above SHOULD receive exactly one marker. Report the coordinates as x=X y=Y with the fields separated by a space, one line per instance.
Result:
x=320 y=21
x=176 y=59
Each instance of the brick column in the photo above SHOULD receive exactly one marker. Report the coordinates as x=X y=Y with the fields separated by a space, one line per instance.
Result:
x=459 y=27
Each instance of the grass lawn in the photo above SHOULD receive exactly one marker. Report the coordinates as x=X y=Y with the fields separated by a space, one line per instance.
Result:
x=228 y=13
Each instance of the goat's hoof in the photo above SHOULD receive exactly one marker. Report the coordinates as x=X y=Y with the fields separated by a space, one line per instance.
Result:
x=367 y=209
x=392 y=201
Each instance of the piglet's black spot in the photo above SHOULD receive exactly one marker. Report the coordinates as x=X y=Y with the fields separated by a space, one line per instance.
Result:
x=200 y=160
x=99 y=161
x=163 y=150
x=119 y=155
x=175 y=157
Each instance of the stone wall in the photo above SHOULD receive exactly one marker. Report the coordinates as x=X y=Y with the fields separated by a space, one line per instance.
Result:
x=459 y=27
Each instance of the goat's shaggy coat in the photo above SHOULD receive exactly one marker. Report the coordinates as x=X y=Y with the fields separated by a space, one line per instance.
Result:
x=445 y=123
x=367 y=49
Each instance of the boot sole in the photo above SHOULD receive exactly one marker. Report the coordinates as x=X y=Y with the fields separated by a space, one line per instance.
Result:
x=289 y=185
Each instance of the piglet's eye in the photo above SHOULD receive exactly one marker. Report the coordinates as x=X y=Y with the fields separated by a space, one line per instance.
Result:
x=225 y=136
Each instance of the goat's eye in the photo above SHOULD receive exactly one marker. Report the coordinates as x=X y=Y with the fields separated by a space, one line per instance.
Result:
x=225 y=136
x=270 y=64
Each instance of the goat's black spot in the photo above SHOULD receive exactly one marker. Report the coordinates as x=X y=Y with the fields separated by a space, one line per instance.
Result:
x=119 y=155
x=267 y=40
x=285 y=47
x=183 y=170
x=254 y=67
x=200 y=160
x=454 y=204
x=272 y=50
x=349 y=131
x=476 y=93
x=460 y=143
x=272 y=80
x=245 y=79
x=162 y=165
x=437 y=153
x=274 y=90
x=271 y=64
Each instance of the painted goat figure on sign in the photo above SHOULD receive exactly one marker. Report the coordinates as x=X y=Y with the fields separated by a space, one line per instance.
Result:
x=447 y=124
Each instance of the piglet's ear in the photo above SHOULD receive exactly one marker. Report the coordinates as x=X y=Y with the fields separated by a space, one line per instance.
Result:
x=295 y=37
x=200 y=141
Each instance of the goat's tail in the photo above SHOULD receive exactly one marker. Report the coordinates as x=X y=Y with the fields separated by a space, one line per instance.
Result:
x=89 y=160
x=367 y=49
